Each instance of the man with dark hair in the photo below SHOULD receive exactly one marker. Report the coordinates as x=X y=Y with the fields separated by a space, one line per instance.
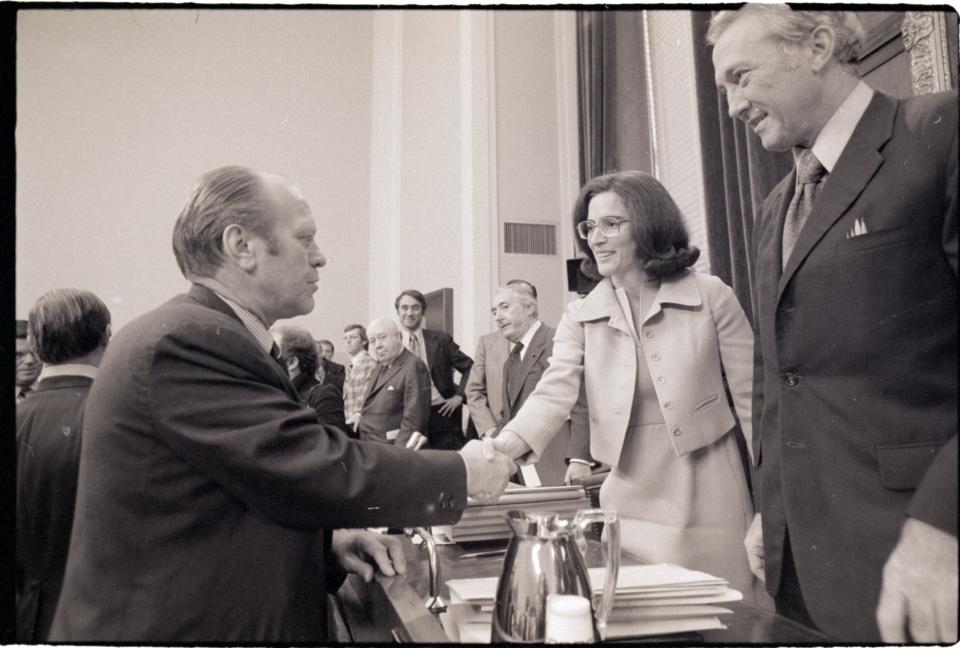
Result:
x=359 y=373
x=28 y=365
x=69 y=330
x=211 y=505
x=333 y=372
x=855 y=298
x=397 y=406
x=441 y=355
x=299 y=354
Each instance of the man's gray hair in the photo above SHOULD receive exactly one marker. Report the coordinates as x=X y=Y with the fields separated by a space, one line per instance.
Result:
x=793 y=28
x=230 y=195
x=525 y=295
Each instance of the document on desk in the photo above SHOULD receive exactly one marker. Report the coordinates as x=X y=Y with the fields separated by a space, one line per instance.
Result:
x=649 y=600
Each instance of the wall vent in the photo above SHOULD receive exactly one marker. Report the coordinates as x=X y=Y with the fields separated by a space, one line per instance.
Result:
x=530 y=238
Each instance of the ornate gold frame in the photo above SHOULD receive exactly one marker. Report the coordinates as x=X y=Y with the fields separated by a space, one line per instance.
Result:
x=925 y=37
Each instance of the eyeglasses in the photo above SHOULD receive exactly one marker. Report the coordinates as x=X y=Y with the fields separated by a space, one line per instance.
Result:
x=607 y=227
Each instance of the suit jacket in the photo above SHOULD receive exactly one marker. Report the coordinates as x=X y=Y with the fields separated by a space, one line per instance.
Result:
x=325 y=400
x=485 y=385
x=443 y=356
x=49 y=426
x=551 y=466
x=856 y=361
x=205 y=484
x=399 y=398
x=334 y=373
x=694 y=332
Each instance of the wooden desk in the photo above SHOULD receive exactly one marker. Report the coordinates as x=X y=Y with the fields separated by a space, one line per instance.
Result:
x=392 y=609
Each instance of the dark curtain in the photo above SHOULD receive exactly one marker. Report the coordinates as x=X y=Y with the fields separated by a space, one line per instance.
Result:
x=738 y=174
x=613 y=120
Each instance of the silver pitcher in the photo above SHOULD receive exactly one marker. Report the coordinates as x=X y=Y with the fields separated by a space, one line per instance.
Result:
x=546 y=556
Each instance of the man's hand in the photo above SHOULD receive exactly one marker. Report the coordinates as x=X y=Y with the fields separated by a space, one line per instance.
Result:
x=487 y=470
x=359 y=551
x=511 y=445
x=753 y=543
x=576 y=470
x=919 y=592
x=450 y=405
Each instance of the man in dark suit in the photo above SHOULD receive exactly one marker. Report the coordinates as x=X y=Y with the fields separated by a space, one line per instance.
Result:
x=334 y=373
x=856 y=322
x=441 y=355
x=207 y=490
x=397 y=406
x=28 y=365
x=299 y=354
x=69 y=330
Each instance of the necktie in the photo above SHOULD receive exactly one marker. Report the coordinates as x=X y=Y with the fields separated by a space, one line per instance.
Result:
x=414 y=346
x=275 y=354
x=809 y=174
x=511 y=369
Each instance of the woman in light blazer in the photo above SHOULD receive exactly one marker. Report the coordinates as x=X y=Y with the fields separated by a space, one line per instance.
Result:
x=652 y=343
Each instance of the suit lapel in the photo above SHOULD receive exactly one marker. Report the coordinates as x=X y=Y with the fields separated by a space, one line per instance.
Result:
x=534 y=351
x=431 y=344
x=857 y=165
x=387 y=374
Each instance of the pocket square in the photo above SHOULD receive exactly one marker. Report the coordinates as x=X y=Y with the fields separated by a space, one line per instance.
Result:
x=859 y=229
x=391 y=388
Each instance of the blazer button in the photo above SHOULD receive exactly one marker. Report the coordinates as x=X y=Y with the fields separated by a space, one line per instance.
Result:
x=676 y=431
x=660 y=380
x=668 y=405
x=791 y=379
x=648 y=334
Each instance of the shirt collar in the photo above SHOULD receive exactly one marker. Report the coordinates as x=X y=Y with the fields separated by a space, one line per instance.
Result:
x=357 y=357
x=68 y=369
x=525 y=340
x=417 y=333
x=250 y=322
x=839 y=128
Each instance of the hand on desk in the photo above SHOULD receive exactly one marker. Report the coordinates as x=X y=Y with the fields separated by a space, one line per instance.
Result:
x=753 y=543
x=359 y=551
x=488 y=471
x=919 y=591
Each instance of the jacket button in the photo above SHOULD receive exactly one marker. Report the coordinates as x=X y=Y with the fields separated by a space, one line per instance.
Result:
x=660 y=380
x=655 y=357
x=791 y=379
x=668 y=405
x=676 y=431
x=648 y=334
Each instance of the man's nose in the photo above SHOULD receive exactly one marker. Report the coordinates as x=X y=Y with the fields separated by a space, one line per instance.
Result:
x=318 y=260
x=736 y=105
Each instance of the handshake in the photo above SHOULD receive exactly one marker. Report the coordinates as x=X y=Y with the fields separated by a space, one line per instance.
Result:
x=490 y=463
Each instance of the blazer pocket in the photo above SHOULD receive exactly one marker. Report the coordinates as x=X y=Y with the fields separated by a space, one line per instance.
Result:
x=903 y=466
x=881 y=238
x=706 y=402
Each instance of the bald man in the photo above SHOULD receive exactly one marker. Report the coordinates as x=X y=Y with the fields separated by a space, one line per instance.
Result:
x=397 y=406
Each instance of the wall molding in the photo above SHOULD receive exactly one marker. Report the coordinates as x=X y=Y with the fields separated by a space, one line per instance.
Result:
x=925 y=38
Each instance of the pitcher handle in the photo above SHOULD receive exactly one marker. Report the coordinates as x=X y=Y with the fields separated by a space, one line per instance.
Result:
x=610 y=547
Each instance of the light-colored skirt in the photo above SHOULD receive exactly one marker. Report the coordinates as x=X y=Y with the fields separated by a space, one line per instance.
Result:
x=692 y=510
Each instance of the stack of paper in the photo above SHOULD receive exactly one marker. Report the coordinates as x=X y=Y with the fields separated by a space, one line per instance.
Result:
x=484 y=522
x=649 y=600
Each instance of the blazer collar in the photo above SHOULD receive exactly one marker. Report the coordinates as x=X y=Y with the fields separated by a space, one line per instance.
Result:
x=602 y=302
x=64 y=381
x=856 y=167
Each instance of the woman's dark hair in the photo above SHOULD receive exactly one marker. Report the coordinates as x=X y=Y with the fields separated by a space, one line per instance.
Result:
x=298 y=343
x=656 y=224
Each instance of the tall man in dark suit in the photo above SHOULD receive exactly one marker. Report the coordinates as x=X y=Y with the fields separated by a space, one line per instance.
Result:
x=856 y=322
x=207 y=489
x=441 y=355
x=69 y=330
x=397 y=406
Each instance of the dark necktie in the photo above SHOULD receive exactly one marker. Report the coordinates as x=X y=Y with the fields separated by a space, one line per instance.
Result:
x=511 y=369
x=809 y=174
x=275 y=354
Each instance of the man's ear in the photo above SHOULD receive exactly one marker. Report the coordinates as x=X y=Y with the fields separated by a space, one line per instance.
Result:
x=239 y=247
x=822 y=43
x=293 y=362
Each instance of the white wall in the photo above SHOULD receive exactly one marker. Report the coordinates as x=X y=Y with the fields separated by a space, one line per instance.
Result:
x=119 y=111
